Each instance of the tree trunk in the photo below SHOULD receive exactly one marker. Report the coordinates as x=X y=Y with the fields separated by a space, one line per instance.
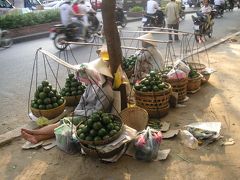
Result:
x=113 y=43
x=111 y=34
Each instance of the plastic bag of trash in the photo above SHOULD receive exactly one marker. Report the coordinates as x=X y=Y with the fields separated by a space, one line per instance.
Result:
x=147 y=144
x=205 y=130
x=188 y=139
x=176 y=74
x=181 y=66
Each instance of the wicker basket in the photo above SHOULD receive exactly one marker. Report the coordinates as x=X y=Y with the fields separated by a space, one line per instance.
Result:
x=72 y=100
x=49 y=113
x=94 y=153
x=194 y=83
x=197 y=66
x=179 y=86
x=155 y=103
x=105 y=141
x=135 y=117
x=205 y=78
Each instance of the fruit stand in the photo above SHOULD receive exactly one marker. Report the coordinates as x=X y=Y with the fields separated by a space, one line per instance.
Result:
x=151 y=94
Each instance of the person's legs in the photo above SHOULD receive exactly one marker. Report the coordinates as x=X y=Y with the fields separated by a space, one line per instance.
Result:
x=46 y=130
x=170 y=26
x=176 y=26
x=36 y=138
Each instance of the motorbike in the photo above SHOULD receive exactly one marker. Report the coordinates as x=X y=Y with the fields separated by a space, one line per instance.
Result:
x=60 y=33
x=121 y=19
x=219 y=10
x=5 y=40
x=182 y=13
x=201 y=26
x=94 y=23
x=156 y=20
x=228 y=6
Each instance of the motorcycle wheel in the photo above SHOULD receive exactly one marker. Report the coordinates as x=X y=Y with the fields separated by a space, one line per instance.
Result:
x=164 y=24
x=57 y=42
x=183 y=15
x=89 y=37
x=124 y=22
x=6 y=41
x=94 y=23
x=210 y=32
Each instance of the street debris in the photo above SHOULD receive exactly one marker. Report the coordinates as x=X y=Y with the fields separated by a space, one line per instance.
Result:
x=228 y=142
x=179 y=155
x=188 y=139
x=170 y=134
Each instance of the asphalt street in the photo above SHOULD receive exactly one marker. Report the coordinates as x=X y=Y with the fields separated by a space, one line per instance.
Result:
x=17 y=65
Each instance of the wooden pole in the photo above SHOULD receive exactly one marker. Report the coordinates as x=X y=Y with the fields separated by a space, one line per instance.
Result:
x=113 y=42
x=111 y=34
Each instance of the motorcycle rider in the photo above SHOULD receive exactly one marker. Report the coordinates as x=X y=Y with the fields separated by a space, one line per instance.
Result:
x=153 y=9
x=206 y=10
x=68 y=16
x=119 y=10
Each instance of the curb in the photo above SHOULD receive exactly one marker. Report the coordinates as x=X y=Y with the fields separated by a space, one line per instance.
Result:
x=8 y=137
x=46 y=33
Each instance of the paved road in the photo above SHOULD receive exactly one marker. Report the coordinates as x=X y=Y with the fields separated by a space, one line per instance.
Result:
x=17 y=62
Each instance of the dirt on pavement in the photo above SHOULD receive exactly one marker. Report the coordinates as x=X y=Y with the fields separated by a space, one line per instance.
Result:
x=217 y=100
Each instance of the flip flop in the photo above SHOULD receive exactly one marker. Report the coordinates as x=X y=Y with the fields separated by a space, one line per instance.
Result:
x=29 y=145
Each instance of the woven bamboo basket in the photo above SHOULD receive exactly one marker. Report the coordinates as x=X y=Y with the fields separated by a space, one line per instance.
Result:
x=105 y=141
x=135 y=117
x=179 y=86
x=205 y=78
x=155 y=103
x=194 y=83
x=72 y=100
x=197 y=66
x=93 y=152
x=49 y=113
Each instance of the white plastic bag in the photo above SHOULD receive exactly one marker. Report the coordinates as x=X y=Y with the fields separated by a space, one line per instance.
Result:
x=188 y=139
x=147 y=144
x=181 y=66
x=176 y=74
x=65 y=140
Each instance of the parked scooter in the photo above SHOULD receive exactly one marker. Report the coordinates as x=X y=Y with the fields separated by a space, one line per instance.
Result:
x=156 y=20
x=202 y=27
x=5 y=39
x=121 y=19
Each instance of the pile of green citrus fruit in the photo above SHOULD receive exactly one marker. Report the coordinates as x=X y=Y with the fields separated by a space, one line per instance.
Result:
x=129 y=63
x=166 y=70
x=193 y=73
x=72 y=87
x=46 y=97
x=99 y=126
x=151 y=83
